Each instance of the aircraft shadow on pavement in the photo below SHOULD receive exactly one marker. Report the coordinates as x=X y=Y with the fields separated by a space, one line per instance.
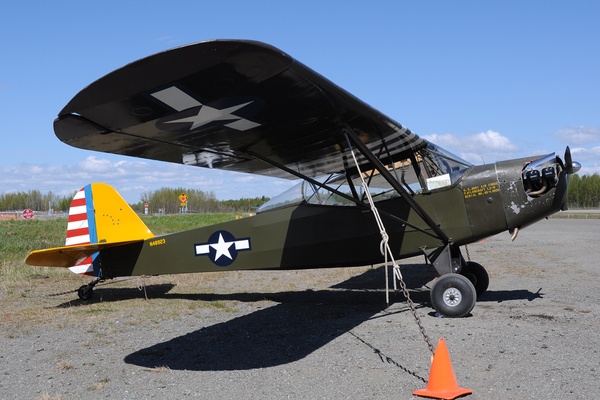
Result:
x=416 y=276
x=500 y=296
x=111 y=294
x=372 y=280
x=301 y=323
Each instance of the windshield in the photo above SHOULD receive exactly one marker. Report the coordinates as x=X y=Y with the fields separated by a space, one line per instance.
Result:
x=439 y=167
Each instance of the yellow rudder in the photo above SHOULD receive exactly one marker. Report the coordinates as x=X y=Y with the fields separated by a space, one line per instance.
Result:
x=114 y=219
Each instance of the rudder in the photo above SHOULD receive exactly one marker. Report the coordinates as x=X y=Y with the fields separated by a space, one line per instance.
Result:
x=98 y=214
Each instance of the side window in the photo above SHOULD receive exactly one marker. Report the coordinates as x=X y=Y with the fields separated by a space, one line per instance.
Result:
x=427 y=169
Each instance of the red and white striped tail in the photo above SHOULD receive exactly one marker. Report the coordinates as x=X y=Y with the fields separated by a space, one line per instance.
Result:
x=78 y=229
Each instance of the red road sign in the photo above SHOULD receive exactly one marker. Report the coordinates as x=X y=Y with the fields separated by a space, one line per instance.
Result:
x=28 y=213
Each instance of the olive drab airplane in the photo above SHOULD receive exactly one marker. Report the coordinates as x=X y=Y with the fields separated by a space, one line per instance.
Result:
x=367 y=183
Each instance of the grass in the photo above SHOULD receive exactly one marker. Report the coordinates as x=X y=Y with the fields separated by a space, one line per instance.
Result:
x=17 y=238
x=21 y=236
x=25 y=292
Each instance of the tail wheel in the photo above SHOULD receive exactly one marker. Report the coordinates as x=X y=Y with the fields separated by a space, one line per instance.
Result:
x=453 y=295
x=85 y=292
x=477 y=275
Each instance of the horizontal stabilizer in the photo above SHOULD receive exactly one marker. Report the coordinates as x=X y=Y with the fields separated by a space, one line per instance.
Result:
x=69 y=256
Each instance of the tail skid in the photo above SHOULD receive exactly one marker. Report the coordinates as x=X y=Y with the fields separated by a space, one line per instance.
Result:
x=98 y=218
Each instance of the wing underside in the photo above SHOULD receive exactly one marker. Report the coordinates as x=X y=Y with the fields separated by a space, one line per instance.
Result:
x=231 y=105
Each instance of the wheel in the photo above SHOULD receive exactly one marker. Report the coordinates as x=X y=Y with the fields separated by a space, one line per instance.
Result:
x=477 y=275
x=453 y=295
x=85 y=292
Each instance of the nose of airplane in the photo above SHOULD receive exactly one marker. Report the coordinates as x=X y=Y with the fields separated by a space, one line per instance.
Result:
x=533 y=189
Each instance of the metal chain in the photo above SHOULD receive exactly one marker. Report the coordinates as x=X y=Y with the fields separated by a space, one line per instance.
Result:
x=62 y=293
x=385 y=249
x=413 y=310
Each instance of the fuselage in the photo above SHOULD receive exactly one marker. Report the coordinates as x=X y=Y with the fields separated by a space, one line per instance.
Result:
x=483 y=201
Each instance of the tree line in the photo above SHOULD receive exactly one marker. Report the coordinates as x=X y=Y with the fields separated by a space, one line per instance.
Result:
x=35 y=200
x=167 y=201
x=584 y=192
x=164 y=201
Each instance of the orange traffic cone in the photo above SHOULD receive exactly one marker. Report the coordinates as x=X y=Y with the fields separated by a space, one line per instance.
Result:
x=442 y=381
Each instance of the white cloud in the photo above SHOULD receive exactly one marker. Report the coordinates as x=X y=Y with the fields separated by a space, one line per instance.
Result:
x=95 y=165
x=491 y=140
x=589 y=158
x=444 y=140
x=132 y=177
x=584 y=143
x=488 y=146
x=579 y=135
x=245 y=178
x=492 y=146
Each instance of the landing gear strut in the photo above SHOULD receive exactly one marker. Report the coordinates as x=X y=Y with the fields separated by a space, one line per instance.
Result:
x=454 y=294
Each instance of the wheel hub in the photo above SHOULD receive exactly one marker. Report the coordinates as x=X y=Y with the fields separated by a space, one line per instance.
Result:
x=452 y=297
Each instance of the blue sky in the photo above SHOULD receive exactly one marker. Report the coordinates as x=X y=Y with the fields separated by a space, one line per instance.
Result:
x=488 y=81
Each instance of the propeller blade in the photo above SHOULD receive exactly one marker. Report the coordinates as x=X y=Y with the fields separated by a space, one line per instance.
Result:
x=570 y=166
x=568 y=161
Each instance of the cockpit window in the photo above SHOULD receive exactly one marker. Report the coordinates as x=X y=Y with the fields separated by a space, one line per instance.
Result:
x=314 y=194
x=427 y=169
x=439 y=167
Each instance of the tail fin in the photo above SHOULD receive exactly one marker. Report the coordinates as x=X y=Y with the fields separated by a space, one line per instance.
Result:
x=98 y=214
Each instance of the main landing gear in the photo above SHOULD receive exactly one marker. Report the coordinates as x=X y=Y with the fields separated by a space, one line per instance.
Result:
x=455 y=292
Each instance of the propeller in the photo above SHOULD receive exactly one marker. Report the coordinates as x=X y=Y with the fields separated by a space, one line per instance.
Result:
x=571 y=166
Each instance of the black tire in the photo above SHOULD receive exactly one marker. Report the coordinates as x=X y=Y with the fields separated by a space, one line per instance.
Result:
x=477 y=275
x=453 y=295
x=85 y=292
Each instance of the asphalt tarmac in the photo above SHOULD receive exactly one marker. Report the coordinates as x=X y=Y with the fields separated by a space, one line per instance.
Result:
x=533 y=335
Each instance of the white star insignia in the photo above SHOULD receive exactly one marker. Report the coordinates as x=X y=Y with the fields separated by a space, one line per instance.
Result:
x=225 y=250
x=222 y=248
x=207 y=114
x=180 y=101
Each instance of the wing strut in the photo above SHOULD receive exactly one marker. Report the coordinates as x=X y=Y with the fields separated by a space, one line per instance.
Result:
x=368 y=154
x=306 y=178
x=354 y=199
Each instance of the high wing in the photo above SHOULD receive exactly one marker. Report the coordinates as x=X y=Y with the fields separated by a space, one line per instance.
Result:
x=237 y=105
